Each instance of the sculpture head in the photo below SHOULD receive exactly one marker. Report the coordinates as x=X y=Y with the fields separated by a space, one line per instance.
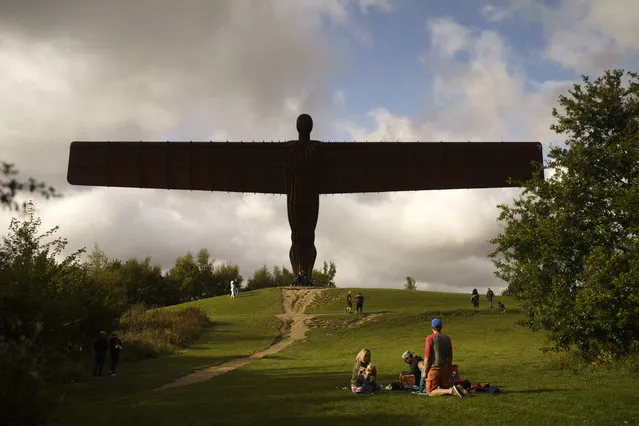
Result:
x=304 y=127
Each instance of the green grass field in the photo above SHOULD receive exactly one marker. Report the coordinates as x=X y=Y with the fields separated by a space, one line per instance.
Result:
x=303 y=383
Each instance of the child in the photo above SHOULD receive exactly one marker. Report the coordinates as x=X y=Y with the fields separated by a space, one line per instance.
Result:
x=369 y=375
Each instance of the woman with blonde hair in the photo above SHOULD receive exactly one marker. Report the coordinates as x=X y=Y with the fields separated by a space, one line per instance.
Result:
x=364 y=374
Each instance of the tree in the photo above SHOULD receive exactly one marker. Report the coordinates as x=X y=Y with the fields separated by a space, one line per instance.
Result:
x=410 y=283
x=262 y=278
x=282 y=276
x=50 y=310
x=569 y=250
x=325 y=277
x=10 y=186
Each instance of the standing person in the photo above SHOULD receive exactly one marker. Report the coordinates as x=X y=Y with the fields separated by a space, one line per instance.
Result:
x=474 y=298
x=233 y=289
x=349 y=303
x=489 y=297
x=359 y=303
x=438 y=354
x=115 y=347
x=100 y=347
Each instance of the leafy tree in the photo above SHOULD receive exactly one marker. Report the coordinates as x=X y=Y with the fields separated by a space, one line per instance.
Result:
x=410 y=283
x=569 y=250
x=262 y=278
x=198 y=277
x=185 y=276
x=325 y=277
x=225 y=273
x=10 y=186
x=50 y=310
x=282 y=275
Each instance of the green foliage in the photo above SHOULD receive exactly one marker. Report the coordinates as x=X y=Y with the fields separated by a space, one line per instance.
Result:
x=410 y=283
x=262 y=278
x=198 y=277
x=49 y=308
x=10 y=186
x=569 y=249
x=149 y=333
x=325 y=277
x=281 y=276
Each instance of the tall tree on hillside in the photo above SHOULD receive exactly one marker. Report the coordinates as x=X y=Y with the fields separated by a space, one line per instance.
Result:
x=282 y=275
x=11 y=185
x=185 y=275
x=410 y=283
x=226 y=273
x=569 y=250
x=262 y=278
x=143 y=282
x=325 y=277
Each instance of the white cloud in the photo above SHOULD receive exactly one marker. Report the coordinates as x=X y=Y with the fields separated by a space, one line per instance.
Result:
x=583 y=35
x=80 y=70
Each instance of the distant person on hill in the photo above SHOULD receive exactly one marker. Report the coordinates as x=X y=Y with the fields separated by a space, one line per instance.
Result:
x=363 y=379
x=474 y=298
x=100 y=346
x=115 y=347
x=438 y=360
x=232 y=289
x=359 y=303
x=301 y=277
x=349 y=303
x=415 y=365
x=489 y=297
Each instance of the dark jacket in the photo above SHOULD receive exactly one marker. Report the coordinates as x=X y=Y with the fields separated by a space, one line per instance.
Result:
x=101 y=344
x=414 y=367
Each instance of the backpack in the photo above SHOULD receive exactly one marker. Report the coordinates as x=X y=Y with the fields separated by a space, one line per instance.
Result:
x=407 y=379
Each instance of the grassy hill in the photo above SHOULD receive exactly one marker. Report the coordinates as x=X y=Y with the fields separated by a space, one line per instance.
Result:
x=303 y=383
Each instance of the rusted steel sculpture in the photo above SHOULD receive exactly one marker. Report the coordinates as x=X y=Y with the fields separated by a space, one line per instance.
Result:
x=302 y=169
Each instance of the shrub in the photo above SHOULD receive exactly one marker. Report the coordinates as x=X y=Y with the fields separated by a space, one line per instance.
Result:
x=147 y=333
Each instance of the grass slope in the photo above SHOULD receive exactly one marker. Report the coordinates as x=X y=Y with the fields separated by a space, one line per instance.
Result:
x=303 y=383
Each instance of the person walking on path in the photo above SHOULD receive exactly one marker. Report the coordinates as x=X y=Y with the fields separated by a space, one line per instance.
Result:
x=438 y=360
x=489 y=296
x=233 y=289
x=115 y=347
x=349 y=303
x=100 y=346
x=359 y=303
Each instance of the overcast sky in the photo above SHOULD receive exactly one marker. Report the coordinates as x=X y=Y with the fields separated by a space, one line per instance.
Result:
x=243 y=70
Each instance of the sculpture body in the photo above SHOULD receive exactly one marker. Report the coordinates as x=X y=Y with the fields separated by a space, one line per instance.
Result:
x=303 y=169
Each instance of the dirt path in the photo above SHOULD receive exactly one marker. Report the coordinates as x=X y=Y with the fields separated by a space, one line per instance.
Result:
x=364 y=320
x=294 y=304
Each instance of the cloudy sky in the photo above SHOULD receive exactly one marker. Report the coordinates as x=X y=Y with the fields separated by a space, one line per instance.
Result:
x=243 y=70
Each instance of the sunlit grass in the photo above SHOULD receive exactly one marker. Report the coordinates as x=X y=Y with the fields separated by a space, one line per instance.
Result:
x=303 y=383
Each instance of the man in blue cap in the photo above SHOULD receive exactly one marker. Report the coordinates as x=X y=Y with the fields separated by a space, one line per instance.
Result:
x=438 y=359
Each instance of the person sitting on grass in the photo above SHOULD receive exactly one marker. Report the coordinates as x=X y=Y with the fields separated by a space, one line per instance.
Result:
x=363 y=379
x=415 y=363
x=438 y=354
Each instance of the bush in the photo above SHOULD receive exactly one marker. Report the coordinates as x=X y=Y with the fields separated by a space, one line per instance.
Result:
x=147 y=333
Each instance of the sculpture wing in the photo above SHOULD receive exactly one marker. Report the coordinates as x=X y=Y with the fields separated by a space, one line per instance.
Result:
x=205 y=166
x=354 y=167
